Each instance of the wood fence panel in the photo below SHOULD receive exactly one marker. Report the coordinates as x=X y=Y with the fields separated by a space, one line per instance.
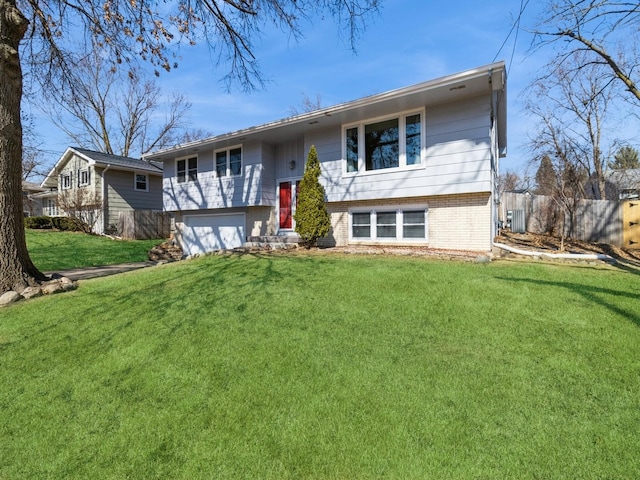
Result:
x=144 y=224
x=598 y=221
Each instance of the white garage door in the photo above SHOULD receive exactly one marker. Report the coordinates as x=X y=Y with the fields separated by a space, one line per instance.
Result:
x=206 y=233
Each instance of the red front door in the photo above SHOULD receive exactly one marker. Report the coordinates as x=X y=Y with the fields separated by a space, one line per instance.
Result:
x=286 y=213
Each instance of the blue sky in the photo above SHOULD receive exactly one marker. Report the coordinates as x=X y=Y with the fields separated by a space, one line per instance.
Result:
x=409 y=42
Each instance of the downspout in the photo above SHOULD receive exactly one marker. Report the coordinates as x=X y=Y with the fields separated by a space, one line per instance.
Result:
x=105 y=202
x=495 y=199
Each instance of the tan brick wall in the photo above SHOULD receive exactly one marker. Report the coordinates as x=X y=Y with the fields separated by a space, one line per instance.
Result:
x=456 y=222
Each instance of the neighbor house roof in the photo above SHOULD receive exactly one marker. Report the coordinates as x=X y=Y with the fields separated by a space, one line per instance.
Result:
x=100 y=159
x=470 y=83
x=628 y=179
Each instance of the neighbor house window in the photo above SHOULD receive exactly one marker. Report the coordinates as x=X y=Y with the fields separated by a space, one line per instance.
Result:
x=83 y=178
x=65 y=181
x=142 y=182
x=229 y=162
x=389 y=143
x=187 y=169
x=400 y=224
x=51 y=208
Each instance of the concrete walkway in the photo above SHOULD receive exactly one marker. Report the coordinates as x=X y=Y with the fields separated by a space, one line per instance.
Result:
x=95 y=272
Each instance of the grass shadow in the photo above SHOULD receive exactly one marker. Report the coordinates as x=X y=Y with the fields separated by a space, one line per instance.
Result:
x=590 y=294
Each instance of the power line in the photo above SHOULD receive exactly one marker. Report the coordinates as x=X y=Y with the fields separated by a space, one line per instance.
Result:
x=516 y=27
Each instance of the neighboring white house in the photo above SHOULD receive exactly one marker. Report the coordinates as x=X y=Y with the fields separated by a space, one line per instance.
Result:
x=111 y=183
x=413 y=166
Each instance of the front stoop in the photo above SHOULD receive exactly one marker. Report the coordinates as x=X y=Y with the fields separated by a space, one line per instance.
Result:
x=273 y=241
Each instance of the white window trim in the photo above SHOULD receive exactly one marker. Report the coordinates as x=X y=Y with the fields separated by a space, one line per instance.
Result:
x=186 y=168
x=68 y=175
x=402 y=119
x=398 y=209
x=80 y=182
x=135 y=182
x=228 y=167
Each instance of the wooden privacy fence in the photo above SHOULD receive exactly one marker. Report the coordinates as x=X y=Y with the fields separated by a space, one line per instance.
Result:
x=599 y=221
x=144 y=224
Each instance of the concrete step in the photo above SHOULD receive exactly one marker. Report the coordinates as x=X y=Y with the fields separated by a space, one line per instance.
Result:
x=273 y=241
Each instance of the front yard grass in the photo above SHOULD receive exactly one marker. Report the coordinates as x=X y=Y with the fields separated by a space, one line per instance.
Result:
x=55 y=251
x=326 y=366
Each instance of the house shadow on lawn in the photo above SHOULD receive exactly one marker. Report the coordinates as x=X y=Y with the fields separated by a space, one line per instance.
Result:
x=590 y=294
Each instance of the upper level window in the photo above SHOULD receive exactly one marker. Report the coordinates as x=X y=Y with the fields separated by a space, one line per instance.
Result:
x=382 y=145
x=187 y=168
x=229 y=162
x=83 y=178
x=65 y=180
x=142 y=182
x=389 y=143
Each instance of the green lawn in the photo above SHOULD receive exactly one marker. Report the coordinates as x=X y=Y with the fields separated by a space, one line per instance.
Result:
x=55 y=251
x=326 y=366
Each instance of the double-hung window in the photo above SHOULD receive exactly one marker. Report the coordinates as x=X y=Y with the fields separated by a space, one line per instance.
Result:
x=406 y=224
x=187 y=169
x=141 y=181
x=395 y=142
x=83 y=178
x=229 y=162
x=65 y=181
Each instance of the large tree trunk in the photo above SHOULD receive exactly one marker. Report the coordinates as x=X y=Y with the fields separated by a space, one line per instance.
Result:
x=16 y=269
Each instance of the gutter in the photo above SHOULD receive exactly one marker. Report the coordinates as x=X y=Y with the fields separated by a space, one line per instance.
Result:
x=565 y=256
x=105 y=205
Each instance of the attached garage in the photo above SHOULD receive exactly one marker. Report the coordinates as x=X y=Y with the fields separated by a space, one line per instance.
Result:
x=206 y=233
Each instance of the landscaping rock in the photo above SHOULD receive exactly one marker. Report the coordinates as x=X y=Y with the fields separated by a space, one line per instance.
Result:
x=10 y=297
x=61 y=284
x=31 y=292
x=165 y=251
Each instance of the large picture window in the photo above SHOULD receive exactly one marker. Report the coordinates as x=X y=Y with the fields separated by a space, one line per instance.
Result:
x=382 y=145
x=229 y=162
x=389 y=143
x=187 y=168
x=403 y=224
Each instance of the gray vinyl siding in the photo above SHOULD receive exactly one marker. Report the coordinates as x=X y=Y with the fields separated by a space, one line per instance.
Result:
x=211 y=191
x=122 y=195
x=458 y=159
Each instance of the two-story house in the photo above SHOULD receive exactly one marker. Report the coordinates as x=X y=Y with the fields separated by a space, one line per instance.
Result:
x=98 y=186
x=413 y=166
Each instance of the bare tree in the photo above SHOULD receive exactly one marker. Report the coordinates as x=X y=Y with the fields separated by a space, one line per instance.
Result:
x=58 y=33
x=33 y=163
x=307 y=105
x=606 y=29
x=84 y=206
x=573 y=109
x=115 y=112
